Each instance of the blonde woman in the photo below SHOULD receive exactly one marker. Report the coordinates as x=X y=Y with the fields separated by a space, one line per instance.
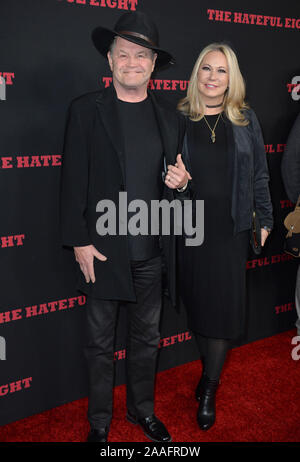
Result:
x=228 y=167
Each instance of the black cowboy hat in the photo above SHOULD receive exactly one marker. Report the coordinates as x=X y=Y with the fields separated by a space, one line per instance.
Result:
x=136 y=27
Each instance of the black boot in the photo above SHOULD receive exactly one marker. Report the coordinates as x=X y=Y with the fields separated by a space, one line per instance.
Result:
x=198 y=390
x=207 y=407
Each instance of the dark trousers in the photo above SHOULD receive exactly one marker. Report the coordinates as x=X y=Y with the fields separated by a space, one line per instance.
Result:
x=141 y=346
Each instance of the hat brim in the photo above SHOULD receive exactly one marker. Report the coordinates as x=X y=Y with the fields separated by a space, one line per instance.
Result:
x=103 y=37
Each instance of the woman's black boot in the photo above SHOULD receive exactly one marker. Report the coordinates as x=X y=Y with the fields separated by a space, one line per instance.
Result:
x=206 y=415
x=198 y=390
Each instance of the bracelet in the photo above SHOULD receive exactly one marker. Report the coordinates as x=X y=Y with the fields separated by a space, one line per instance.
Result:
x=183 y=188
x=267 y=229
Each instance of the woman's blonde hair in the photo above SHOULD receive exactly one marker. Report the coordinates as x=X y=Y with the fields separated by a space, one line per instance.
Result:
x=234 y=99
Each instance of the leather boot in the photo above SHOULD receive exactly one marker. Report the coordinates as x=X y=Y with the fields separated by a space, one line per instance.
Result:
x=198 y=390
x=206 y=415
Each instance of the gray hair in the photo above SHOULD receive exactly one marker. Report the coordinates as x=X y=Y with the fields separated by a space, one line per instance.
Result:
x=112 y=45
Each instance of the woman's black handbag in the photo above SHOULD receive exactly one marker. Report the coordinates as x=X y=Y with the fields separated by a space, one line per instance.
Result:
x=292 y=224
x=255 y=235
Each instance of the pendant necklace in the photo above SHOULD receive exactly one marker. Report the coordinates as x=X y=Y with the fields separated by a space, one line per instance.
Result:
x=213 y=134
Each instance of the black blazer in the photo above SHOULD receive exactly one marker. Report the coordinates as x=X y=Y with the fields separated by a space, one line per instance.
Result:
x=93 y=169
x=249 y=172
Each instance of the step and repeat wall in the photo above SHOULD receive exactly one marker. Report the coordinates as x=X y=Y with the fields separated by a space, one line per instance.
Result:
x=47 y=59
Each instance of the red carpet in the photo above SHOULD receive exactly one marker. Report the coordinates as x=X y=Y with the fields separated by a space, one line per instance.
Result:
x=258 y=401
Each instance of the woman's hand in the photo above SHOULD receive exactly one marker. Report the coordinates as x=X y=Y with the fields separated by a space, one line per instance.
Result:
x=177 y=176
x=264 y=235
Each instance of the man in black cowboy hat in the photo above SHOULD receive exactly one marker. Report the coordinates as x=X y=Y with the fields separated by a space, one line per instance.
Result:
x=118 y=139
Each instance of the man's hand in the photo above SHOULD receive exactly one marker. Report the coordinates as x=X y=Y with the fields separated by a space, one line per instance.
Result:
x=85 y=257
x=177 y=176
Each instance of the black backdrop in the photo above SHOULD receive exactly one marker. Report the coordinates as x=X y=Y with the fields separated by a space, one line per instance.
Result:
x=47 y=59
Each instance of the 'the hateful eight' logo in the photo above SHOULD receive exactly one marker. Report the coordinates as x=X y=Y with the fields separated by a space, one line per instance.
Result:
x=156 y=84
x=12 y=387
x=119 y=4
x=254 y=19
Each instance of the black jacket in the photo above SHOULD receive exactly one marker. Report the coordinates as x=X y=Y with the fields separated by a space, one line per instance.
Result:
x=290 y=164
x=92 y=170
x=249 y=173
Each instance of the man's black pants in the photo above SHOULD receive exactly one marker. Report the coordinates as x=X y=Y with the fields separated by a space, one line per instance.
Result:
x=143 y=337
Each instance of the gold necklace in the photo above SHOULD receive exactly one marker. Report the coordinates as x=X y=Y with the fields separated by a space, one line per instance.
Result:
x=213 y=135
